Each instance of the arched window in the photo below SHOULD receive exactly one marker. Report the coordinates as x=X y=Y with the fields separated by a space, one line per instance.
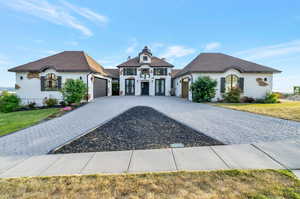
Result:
x=51 y=82
x=231 y=81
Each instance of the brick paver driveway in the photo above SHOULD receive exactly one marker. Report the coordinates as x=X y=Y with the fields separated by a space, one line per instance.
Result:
x=229 y=126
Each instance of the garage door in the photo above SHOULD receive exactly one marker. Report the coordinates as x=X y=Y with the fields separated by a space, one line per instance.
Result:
x=100 y=87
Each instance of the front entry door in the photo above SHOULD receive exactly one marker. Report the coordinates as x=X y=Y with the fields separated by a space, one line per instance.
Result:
x=159 y=87
x=145 y=88
x=184 y=89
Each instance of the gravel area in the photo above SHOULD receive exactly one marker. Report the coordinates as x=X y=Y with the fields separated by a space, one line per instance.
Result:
x=138 y=128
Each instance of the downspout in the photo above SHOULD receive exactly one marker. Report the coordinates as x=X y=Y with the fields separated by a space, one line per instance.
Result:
x=191 y=83
x=87 y=84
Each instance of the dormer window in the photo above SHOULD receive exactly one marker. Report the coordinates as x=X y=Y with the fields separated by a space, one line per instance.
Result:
x=145 y=58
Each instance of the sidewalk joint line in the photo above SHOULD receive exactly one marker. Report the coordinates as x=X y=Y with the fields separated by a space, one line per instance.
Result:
x=87 y=162
x=174 y=159
x=15 y=165
x=131 y=154
x=284 y=166
x=49 y=166
x=220 y=157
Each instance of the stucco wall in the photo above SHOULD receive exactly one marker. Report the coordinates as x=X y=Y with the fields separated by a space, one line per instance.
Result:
x=251 y=87
x=30 y=89
x=138 y=79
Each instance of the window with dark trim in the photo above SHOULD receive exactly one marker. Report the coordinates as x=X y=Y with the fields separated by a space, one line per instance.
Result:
x=145 y=58
x=160 y=71
x=51 y=82
x=129 y=71
x=231 y=81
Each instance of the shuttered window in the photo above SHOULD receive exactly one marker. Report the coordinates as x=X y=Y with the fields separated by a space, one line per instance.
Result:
x=230 y=82
x=50 y=82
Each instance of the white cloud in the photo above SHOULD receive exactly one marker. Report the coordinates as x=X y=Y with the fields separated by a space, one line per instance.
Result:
x=132 y=47
x=286 y=48
x=72 y=43
x=57 y=14
x=87 y=13
x=212 y=46
x=177 y=51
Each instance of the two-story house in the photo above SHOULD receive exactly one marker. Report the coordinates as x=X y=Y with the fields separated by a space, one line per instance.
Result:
x=145 y=75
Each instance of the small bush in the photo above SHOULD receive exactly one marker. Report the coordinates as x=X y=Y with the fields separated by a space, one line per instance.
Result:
x=233 y=96
x=50 y=102
x=203 y=89
x=271 y=98
x=74 y=91
x=31 y=105
x=259 y=101
x=63 y=103
x=9 y=102
x=246 y=99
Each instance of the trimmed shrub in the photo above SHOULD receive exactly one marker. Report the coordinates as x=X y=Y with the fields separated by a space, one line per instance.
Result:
x=50 y=102
x=63 y=103
x=271 y=98
x=233 y=96
x=246 y=99
x=9 y=102
x=74 y=91
x=31 y=105
x=203 y=89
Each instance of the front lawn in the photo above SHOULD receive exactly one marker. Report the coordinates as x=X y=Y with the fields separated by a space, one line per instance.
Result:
x=284 y=110
x=233 y=184
x=10 y=122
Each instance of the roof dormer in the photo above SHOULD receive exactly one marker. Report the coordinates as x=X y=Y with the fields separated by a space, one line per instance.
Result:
x=145 y=55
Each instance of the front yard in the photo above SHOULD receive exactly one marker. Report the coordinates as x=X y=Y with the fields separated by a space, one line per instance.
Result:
x=233 y=184
x=10 y=122
x=284 y=110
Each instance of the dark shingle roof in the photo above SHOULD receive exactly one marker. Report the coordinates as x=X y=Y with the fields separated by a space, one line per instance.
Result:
x=174 y=72
x=155 y=62
x=67 y=61
x=218 y=62
x=113 y=72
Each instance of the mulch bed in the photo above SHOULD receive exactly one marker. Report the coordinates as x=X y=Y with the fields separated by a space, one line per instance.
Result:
x=138 y=128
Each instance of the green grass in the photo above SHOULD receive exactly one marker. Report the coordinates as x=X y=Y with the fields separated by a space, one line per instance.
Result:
x=284 y=110
x=10 y=122
x=231 y=184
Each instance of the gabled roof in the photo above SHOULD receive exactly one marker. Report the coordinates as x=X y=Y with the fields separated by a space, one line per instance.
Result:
x=67 y=61
x=113 y=72
x=219 y=63
x=155 y=62
x=174 y=72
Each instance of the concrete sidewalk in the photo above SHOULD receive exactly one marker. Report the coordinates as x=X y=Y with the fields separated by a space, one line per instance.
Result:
x=274 y=155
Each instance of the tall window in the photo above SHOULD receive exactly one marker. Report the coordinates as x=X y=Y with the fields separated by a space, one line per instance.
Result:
x=145 y=58
x=129 y=71
x=231 y=81
x=129 y=86
x=160 y=71
x=51 y=82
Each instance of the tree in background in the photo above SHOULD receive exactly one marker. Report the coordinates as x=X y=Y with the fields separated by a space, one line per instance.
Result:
x=203 y=89
x=74 y=91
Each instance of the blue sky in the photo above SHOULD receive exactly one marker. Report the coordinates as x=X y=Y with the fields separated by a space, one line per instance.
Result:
x=266 y=32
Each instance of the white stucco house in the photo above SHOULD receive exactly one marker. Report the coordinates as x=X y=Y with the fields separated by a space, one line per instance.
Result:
x=253 y=79
x=145 y=75
x=41 y=79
